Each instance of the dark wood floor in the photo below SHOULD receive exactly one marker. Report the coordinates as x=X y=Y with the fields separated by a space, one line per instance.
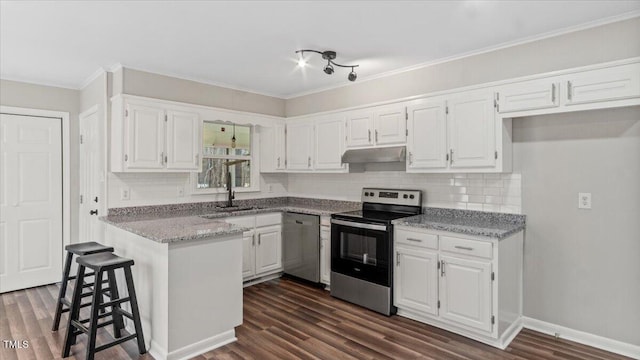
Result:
x=287 y=320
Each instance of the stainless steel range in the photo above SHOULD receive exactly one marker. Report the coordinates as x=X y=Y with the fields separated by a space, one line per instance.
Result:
x=362 y=247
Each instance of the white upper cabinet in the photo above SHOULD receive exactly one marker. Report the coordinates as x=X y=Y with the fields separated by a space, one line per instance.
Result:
x=272 y=148
x=359 y=129
x=329 y=143
x=145 y=135
x=390 y=125
x=613 y=83
x=300 y=145
x=382 y=125
x=427 y=136
x=472 y=130
x=529 y=95
x=149 y=136
x=184 y=140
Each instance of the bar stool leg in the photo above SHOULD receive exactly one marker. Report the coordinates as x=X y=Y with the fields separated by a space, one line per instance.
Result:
x=63 y=291
x=95 y=307
x=134 y=309
x=74 y=312
x=118 y=322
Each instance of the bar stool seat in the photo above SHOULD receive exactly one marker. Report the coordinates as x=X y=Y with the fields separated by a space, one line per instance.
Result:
x=102 y=263
x=91 y=247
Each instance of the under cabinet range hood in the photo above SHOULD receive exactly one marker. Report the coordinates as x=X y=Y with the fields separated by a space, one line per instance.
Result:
x=378 y=159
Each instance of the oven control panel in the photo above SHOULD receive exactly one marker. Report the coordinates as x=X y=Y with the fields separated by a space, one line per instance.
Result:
x=392 y=196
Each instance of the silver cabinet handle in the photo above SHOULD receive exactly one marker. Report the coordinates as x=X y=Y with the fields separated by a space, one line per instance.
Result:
x=463 y=247
x=441 y=267
x=553 y=93
x=197 y=157
x=376 y=135
x=258 y=240
x=278 y=161
x=162 y=158
x=410 y=158
x=451 y=156
x=397 y=259
x=412 y=239
x=569 y=90
x=369 y=135
x=253 y=239
x=309 y=161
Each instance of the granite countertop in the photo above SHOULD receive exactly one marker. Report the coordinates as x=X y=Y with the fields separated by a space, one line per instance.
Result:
x=175 y=229
x=180 y=222
x=478 y=223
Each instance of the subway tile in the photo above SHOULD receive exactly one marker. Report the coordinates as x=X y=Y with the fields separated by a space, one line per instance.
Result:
x=492 y=176
x=491 y=191
x=474 y=176
x=475 y=182
x=512 y=200
x=512 y=192
x=476 y=198
x=492 y=200
x=474 y=190
x=474 y=206
x=510 y=209
x=458 y=190
x=491 y=207
x=493 y=183
x=460 y=176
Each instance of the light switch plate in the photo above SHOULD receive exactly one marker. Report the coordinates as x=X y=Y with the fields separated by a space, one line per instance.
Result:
x=584 y=200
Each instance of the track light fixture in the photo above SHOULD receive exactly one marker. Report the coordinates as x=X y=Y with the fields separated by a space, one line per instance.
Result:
x=329 y=56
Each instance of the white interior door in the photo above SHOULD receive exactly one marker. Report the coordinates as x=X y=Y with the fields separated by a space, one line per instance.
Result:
x=91 y=178
x=30 y=201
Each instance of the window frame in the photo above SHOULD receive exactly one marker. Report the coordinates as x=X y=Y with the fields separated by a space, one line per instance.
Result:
x=253 y=158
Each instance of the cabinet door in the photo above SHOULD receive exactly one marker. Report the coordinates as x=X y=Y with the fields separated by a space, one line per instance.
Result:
x=184 y=138
x=359 y=129
x=145 y=137
x=472 y=130
x=427 y=140
x=248 y=255
x=268 y=249
x=325 y=255
x=465 y=292
x=613 y=83
x=299 y=146
x=530 y=95
x=329 y=141
x=416 y=280
x=280 y=147
x=390 y=126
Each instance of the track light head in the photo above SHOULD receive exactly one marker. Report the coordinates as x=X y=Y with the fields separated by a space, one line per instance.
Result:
x=328 y=69
x=352 y=75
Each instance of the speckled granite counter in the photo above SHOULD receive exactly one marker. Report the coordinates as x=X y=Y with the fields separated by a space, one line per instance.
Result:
x=179 y=222
x=477 y=223
x=174 y=229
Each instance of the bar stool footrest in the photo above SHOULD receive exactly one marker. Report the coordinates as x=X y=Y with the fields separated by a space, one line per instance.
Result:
x=116 y=342
x=114 y=302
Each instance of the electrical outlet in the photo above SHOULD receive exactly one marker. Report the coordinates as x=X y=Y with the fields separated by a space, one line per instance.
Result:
x=180 y=191
x=270 y=188
x=584 y=200
x=125 y=194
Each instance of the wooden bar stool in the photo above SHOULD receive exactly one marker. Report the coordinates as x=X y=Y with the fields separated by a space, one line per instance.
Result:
x=101 y=263
x=80 y=249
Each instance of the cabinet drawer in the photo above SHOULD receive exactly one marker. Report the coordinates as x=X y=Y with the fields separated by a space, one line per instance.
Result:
x=245 y=221
x=269 y=219
x=466 y=247
x=417 y=239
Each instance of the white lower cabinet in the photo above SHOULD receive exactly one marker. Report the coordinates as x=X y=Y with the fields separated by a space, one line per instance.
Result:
x=268 y=249
x=325 y=252
x=451 y=281
x=261 y=245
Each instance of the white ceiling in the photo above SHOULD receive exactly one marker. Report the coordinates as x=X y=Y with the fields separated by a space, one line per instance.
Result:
x=250 y=45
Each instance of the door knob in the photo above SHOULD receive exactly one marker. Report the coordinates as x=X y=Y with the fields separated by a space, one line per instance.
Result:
x=93 y=212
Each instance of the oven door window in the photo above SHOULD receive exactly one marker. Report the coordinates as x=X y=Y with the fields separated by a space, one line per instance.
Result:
x=361 y=253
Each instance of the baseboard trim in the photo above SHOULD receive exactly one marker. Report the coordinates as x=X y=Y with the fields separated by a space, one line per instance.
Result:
x=582 y=337
x=193 y=350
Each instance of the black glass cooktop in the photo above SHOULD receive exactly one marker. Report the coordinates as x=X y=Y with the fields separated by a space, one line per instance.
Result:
x=377 y=216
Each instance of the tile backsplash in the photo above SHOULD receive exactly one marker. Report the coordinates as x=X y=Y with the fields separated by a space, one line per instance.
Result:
x=484 y=192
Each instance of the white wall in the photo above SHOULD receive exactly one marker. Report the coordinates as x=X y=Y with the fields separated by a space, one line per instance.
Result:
x=582 y=267
x=487 y=192
x=19 y=94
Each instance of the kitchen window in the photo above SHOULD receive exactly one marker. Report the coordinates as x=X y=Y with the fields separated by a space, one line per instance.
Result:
x=226 y=148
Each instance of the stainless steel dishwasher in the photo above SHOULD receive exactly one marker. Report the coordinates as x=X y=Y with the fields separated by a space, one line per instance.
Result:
x=301 y=246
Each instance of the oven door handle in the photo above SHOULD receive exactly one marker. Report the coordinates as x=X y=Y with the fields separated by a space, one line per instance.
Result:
x=359 y=225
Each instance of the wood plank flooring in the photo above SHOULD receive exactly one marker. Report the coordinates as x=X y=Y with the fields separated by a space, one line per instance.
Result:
x=287 y=320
